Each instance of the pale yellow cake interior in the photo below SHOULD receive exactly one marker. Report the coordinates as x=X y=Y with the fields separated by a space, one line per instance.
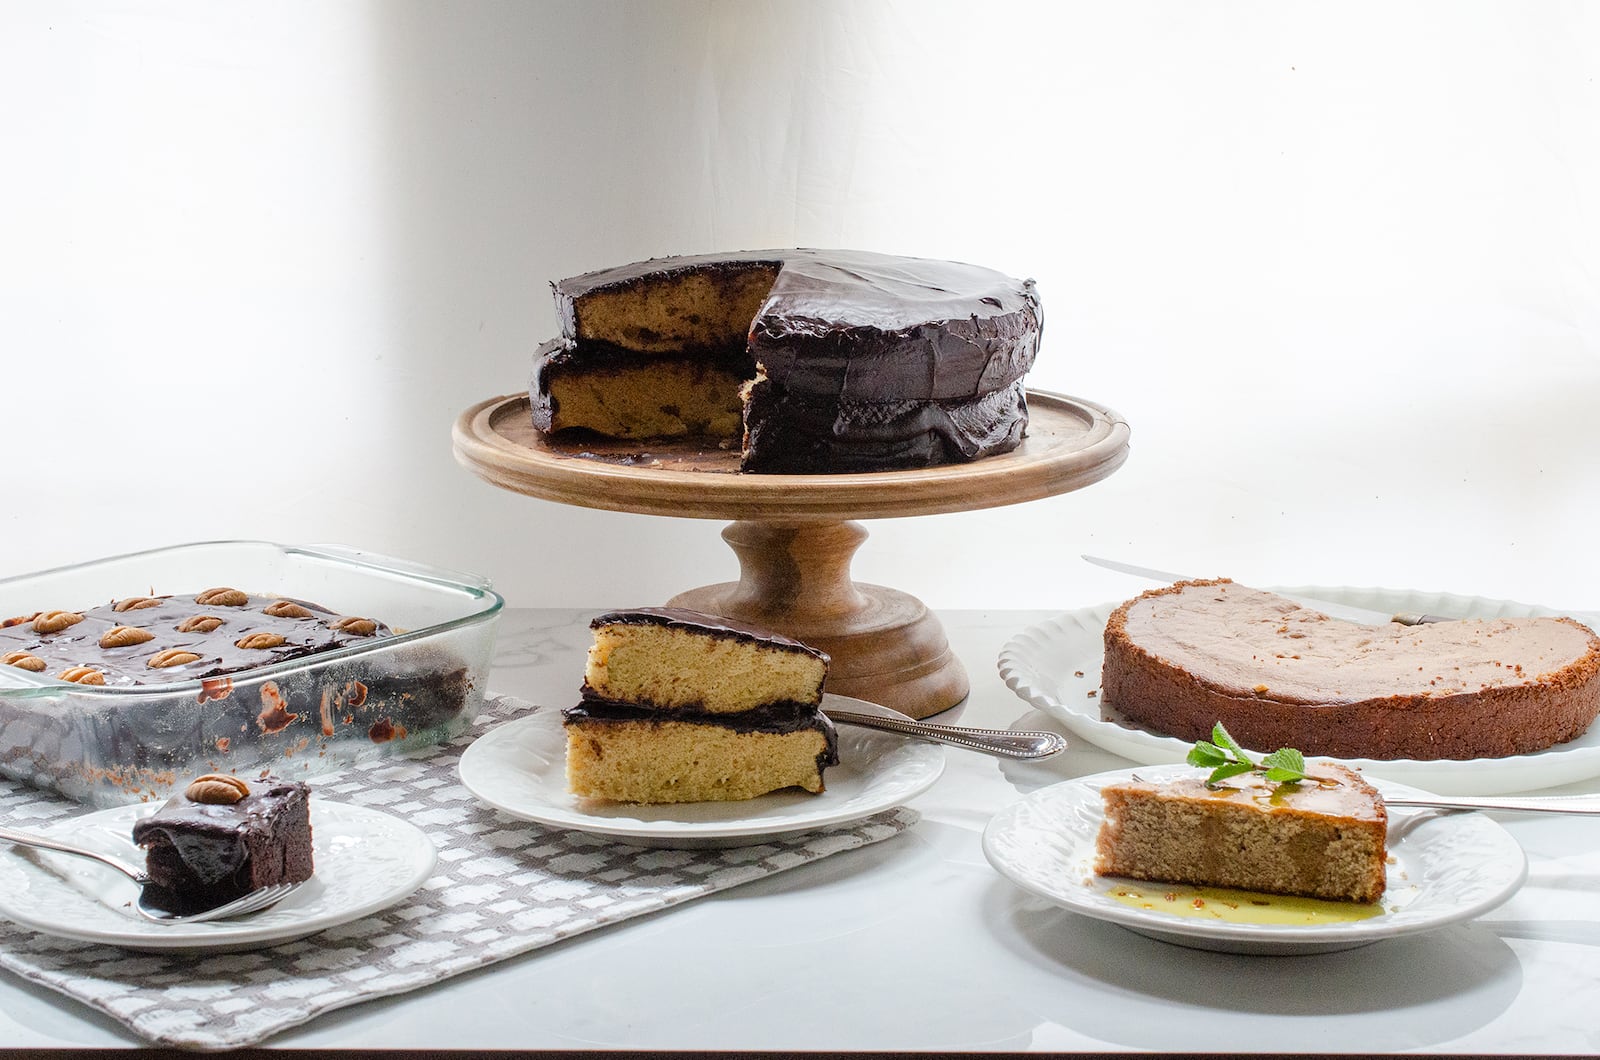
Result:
x=661 y=399
x=669 y=761
x=674 y=311
x=714 y=674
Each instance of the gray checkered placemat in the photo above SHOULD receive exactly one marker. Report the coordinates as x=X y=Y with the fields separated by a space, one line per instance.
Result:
x=502 y=887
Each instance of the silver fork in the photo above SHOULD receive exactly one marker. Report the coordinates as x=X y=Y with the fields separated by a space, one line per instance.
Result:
x=256 y=900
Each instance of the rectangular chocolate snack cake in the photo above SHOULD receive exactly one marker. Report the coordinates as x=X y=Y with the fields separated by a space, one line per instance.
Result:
x=224 y=837
x=807 y=361
x=274 y=683
x=1324 y=837
x=684 y=707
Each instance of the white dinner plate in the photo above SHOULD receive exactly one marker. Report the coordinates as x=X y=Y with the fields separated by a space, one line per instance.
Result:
x=1443 y=869
x=520 y=767
x=1056 y=667
x=364 y=860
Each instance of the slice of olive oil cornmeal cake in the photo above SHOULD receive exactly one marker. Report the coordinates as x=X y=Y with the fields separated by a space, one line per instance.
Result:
x=1313 y=831
x=680 y=706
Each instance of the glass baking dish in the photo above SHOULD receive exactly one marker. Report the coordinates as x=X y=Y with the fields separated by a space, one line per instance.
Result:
x=109 y=745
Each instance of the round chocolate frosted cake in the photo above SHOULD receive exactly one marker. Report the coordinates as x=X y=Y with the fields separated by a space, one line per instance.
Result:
x=811 y=361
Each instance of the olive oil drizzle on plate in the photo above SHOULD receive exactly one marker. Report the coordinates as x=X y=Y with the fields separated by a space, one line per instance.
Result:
x=1239 y=907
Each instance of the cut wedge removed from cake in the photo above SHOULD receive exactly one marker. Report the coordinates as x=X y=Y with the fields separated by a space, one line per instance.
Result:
x=1324 y=836
x=680 y=706
x=805 y=361
x=1180 y=658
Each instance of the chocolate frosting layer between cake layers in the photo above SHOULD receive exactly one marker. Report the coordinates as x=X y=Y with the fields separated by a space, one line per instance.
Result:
x=779 y=718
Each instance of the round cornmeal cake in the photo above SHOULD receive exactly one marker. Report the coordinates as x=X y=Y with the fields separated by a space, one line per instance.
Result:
x=1276 y=674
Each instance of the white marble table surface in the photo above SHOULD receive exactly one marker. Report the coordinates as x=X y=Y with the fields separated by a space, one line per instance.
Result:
x=918 y=944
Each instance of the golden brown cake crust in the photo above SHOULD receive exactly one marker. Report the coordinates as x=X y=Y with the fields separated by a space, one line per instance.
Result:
x=1182 y=658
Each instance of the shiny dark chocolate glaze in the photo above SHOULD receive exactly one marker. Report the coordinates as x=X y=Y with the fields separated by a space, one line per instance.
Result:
x=268 y=796
x=790 y=434
x=79 y=645
x=209 y=838
x=700 y=622
x=778 y=718
x=887 y=361
x=854 y=325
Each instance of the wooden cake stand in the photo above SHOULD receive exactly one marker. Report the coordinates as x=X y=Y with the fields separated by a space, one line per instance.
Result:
x=795 y=534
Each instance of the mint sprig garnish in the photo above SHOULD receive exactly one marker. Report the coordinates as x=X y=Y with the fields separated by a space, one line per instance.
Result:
x=1225 y=758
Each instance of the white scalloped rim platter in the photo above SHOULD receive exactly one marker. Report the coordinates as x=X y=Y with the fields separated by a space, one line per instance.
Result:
x=365 y=861
x=519 y=767
x=1056 y=667
x=1443 y=869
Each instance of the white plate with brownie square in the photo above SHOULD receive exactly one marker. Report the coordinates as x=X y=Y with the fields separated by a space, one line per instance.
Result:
x=519 y=768
x=1442 y=869
x=364 y=861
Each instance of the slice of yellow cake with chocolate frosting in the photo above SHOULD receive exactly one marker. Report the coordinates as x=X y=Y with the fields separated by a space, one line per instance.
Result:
x=680 y=706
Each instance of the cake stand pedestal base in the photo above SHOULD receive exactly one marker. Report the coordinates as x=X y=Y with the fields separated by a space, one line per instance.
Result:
x=885 y=646
x=794 y=536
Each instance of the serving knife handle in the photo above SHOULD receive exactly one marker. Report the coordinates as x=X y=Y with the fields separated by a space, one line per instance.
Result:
x=1586 y=805
x=1006 y=743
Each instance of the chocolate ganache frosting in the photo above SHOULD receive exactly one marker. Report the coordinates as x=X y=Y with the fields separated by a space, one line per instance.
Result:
x=162 y=639
x=861 y=361
x=201 y=854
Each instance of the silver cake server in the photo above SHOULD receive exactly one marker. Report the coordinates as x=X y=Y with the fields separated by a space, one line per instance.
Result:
x=1364 y=615
x=1587 y=805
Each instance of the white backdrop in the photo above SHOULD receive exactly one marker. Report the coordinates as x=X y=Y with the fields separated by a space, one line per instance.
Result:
x=1337 y=264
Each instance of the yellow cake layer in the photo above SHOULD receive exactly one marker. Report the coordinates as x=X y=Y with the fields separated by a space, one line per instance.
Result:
x=674 y=761
x=671 y=668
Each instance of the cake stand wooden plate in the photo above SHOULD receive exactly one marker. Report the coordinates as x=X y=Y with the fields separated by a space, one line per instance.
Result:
x=795 y=534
